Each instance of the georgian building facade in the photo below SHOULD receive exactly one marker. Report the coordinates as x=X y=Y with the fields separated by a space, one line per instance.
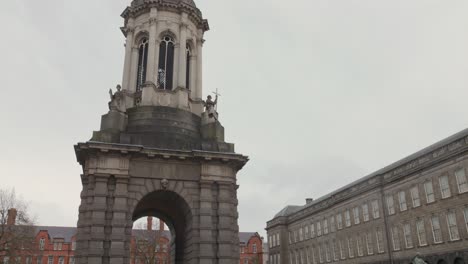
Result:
x=418 y=205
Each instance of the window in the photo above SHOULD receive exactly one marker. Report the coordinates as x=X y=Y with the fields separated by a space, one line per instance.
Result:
x=319 y=228
x=166 y=63
x=290 y=237
x=28 y=260
x=380 y=241
x=350 y=248
x=321 y=258
x=270 y=241
x=61 y=260
x=465 y=213
x=347 y=218
x=325 y=226
x=55 y=246
x=242 y=250
x=73 y=245
x=428 y=188
x=312 y=231
x=342 y=250
x=327 y=252
x=301 y=234
x=436 y=232
x=421 y=229
x=415 y=196
x=291 y=257
x=51 y=260
x=402 y=200
x=72 y=260
x=395 y=238
x=408 y=235
x=335 y=251
x=461 y=180
x=301 y=256
x=59 y=246
x=295 y=236
x=339 y=221
x=365 y=212
x=254 y=247
x=278 y=242
x=306 y=231
x=41 y=243
x=39 y=260
x=452 y=226
x=312 y=254
x=246 y=261
x=375 y=209
x=357 y=219
x=369 y=244
x=6 y=260
x=360 y=251
x=390 y=204
x=332 y=224
x=307 y=254
x=444 y=187
x=142 y=63
x=297 y=257
x=187 y=72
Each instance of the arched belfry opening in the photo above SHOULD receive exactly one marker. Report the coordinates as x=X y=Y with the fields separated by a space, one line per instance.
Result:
x=160 y=151
x=173 y=210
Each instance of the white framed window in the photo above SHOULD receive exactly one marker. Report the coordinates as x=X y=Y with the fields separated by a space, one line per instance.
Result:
x=390 y=205
x=271 y=259
x=375 y=209
x=369 y=244
x=55 y=246
x=325 y=226
x=278 y=242
x=50 y=260
x=297 y=257
x=59 y=247
x=332 y=224
x=408 y=235
x=41 y=244
x=327 y=252
x=365 y=212
x=314 y=258
x=319 y=228
x=301 y=234
x=307 y=253
x=296 y=237
x=347 y=218
x=254 y=248
x=339 y=221
x=415 y=196
x=270 y=241
x=61 y=260
x=421 y=229
x=396 y=238
x=306 y=235
x=6 y=260
x=246 y=261
x=342 y=249
x=290 y=237
x=429 y=189
x=436 y=231
x=360 y=250
x=462 y=183
x=350 y=248
x=357 y=218
x=28 y=260
x=380 y=240
x=453 y=226
x=444 y=187
x=402 y=200
x=335 y=251
x=39 y=260
x=321 y=258
x=312 y=231
x=301 y=255
x=465 y=213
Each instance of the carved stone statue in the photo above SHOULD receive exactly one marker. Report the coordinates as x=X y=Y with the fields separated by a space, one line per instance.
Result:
x=418 y=260
x=117 y=100
x=210 y=105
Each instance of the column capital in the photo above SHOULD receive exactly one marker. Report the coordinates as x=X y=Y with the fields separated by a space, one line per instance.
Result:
x=153 y=21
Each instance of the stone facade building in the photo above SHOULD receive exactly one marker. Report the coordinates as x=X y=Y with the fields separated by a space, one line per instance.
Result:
x=418 y=205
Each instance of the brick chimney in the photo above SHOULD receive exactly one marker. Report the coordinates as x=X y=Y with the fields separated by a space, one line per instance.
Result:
x=12 y=213
x=149 y=224
x=161 y=225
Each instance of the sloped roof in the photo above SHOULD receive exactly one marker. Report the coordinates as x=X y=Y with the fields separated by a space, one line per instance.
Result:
x=58 y=232
x=288 y=210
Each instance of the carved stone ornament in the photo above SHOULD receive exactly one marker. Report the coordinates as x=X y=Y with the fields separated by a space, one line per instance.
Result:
x=164 y=184
x=117 y=100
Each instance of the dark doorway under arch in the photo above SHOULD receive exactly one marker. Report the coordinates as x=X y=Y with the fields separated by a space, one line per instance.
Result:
x=441 y=261
x=176 y=213
x=459 y=261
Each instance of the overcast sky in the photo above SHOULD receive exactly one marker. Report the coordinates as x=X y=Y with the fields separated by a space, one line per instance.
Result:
x=317 y=92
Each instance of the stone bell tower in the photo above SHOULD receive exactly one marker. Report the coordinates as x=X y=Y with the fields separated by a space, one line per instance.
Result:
x=160 y=150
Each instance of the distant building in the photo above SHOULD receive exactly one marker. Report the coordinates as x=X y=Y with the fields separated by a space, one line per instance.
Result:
x=251 y=248
x=416 y=205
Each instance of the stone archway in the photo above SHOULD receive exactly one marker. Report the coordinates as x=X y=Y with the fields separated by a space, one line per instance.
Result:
x=176 y=213
x=459 y=261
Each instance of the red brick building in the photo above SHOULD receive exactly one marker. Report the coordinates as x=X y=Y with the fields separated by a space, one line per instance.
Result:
x=251 y=248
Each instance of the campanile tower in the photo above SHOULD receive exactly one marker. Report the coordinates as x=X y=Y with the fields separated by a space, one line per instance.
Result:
x=160 y=150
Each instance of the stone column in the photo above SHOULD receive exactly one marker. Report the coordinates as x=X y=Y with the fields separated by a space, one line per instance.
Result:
x=175 y=77
x=133 y=70
x=183 y=52
x=83 y=225
x=96 y=248
x=119 y=251
x=199 y=88
x=193 y=76
x=152 y=49
x=228 y=229
x=207 y=228
x=128 y=55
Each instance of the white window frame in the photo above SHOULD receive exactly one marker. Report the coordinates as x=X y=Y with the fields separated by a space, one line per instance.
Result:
x=350 y=248
x=435 y=217
x=365 y=212
x=407 y=234
x=369 y=244
x=321 y=258
x=375 y=209
x=402 y=201
x=429 y=190
x=396 y=238
x=319 y=228
x=335 y=249
x=327 y=252
x=339 y=221
x=452 y=226
x=462 y=181
x=347 y=218
x=360 y=250
x=325 y=226
x=444 y=184
x=421 y=230
x=379 y=241
x=416 y=200
x=312 y=231
x=332 y=224
x=342 y=249
x=50 y=260
x=301 y=234
x=356 y=215
x=390 y=204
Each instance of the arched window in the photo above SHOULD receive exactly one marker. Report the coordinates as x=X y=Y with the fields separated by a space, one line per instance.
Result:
x=187 y=73
x=142 y=62
x=166 y=63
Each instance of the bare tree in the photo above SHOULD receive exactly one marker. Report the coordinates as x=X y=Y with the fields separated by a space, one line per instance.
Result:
x=150 y=246
x=17 y=232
